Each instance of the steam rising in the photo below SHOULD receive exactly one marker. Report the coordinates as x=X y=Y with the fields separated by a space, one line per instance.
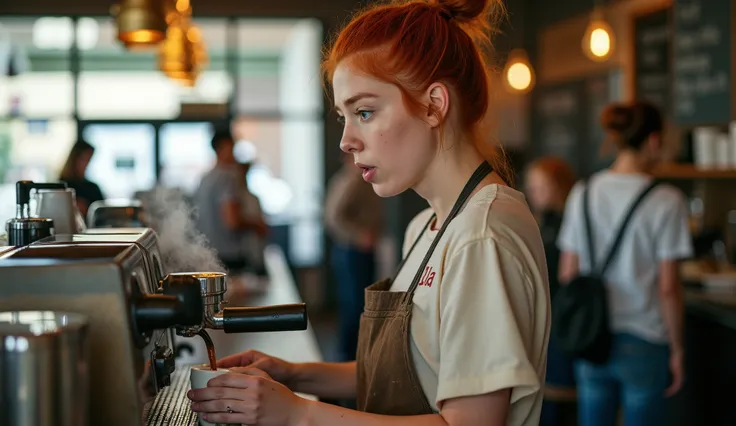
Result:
x=183 y=248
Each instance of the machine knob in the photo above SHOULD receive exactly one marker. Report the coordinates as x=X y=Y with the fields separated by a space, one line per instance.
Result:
x=163 y=366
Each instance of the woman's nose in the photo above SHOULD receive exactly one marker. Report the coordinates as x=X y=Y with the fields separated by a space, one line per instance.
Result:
x=350 y=143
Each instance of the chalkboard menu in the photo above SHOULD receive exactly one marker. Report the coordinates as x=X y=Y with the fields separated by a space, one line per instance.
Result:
x=559 y=110
x=653 y=59
x=702 y=61
x=600 y=91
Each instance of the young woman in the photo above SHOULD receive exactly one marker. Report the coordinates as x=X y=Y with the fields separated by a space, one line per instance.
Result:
x=459 y=336
x=73 y=173
x=644 y=293
x=548 y=181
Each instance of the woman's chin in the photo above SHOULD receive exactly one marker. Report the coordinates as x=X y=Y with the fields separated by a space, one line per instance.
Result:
x=386 y=190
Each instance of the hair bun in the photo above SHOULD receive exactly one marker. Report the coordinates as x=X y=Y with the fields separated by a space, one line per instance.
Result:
x=617 y=118
x=465 y=10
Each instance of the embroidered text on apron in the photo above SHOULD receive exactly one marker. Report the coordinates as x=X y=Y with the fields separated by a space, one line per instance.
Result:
x=387 y=380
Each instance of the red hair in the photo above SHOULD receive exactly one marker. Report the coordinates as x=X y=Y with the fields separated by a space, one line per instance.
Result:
x=415 y=43
x=558 y=171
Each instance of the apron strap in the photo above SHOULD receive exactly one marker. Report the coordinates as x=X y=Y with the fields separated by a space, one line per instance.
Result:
x=480 y=173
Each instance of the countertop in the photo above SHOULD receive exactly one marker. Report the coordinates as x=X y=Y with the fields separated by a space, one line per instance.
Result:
x=717 y=306
x=171 y=407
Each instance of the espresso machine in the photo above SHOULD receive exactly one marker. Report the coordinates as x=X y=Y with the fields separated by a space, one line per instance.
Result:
x=115 y=279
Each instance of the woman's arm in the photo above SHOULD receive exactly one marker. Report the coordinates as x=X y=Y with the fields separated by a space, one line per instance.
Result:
x=325 y=380
x=569 y=266
x=489 y=410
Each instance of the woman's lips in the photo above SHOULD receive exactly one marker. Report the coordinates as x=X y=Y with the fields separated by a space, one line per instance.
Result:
x=368 y=171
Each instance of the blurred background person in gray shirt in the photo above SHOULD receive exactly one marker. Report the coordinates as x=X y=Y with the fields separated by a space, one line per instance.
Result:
x=354 y=221
x=218 y=203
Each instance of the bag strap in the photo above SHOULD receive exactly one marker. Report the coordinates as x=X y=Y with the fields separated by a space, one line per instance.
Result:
x=621 y=229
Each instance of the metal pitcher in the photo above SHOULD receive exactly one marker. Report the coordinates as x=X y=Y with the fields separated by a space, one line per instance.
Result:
x=44 y=369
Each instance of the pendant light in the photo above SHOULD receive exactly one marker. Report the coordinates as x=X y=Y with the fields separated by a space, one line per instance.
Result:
x=141 y=23
x=518 y=74
x=182 y=55
x=599 y=40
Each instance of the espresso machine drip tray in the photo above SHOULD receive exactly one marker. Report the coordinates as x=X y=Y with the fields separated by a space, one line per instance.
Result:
x=171 y=406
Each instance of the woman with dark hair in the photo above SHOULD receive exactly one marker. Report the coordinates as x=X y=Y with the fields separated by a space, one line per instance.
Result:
x=643 y=290
x=73 y=174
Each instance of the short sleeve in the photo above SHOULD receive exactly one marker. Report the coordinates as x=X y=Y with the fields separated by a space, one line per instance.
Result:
x=673 y=241
x=229 y=186
x=571 y=233
x=487 y=303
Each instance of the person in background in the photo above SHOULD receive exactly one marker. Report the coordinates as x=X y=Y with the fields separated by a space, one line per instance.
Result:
x=218 y=203
x=645 y=296
x=548 y=182
x=254 y=242
x=73 y=173
x=354 y=220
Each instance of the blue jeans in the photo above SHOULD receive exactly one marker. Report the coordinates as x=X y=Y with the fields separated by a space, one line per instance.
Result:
x=354 y=270
x=635 y=376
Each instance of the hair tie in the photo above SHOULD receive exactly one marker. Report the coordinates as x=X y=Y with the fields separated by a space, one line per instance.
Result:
x=445 y=12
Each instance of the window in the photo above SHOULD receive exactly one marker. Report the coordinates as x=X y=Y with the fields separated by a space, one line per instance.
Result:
x=123 y=162
x=186 y=154
x=132 y=78
x=35 y=78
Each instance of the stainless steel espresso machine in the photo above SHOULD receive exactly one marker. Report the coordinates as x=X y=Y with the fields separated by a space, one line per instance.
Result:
x=116 y=281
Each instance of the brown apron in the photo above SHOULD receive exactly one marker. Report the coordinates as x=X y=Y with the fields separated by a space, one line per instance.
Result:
x=387 y=380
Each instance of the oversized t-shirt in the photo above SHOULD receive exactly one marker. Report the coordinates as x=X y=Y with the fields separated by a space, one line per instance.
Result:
x=658 y=231
x=480 y=321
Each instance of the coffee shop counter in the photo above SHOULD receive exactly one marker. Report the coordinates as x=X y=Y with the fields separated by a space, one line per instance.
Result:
x=710 y=359
x=171 y=406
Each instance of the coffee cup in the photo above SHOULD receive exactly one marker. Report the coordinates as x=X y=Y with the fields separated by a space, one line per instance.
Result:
x=199 y=376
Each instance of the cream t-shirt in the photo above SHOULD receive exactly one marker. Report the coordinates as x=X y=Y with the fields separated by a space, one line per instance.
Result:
x=481 y=315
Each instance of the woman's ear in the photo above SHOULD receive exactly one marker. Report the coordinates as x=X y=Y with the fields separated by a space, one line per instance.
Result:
x=438 y=99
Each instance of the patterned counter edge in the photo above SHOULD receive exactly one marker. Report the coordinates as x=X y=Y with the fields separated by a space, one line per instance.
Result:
x=171 y=406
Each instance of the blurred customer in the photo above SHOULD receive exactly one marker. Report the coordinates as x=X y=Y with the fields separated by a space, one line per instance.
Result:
x=250 y=209
x=354 y=217
x=73 y=173
x=548 y=183
x=643 y=289
x=218 y=203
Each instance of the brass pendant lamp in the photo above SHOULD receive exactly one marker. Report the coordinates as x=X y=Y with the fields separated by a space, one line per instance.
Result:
x=141 y=23
x=182 y=55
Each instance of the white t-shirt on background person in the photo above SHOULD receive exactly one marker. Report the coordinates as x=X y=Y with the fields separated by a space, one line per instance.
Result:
x=658 y=231
x=480 y=320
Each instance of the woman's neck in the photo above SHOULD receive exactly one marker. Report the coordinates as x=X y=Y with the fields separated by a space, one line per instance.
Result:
x=630 y=162
x=446 y=176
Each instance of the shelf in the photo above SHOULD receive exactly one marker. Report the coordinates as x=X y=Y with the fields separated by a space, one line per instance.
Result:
x=688 y=171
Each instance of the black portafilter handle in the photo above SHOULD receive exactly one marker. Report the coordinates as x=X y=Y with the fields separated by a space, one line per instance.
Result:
x=23 y=189
x=179 y=305
x=255 y=319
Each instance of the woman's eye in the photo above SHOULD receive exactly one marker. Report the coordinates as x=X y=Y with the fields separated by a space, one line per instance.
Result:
x=341 y=119
x=365 y=115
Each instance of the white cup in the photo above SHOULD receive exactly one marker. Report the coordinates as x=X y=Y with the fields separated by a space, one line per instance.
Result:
x=199 y=376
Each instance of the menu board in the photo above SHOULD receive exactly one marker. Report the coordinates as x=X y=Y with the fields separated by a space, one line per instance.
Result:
x=702 y=61
x=558 y=110
x=653 y=59
x=600 y=91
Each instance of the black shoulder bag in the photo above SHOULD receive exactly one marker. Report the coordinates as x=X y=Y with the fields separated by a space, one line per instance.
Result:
x=580 y=322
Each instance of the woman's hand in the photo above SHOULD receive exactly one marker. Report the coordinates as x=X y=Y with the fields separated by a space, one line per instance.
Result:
x=249 y=397
x=276 y=368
